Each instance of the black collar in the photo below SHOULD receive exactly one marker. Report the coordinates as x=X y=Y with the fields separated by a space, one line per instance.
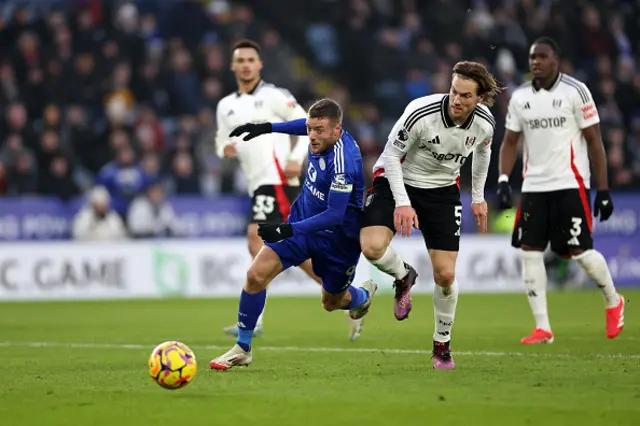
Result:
x=253 y=90
x=535 y=88
x=448 y=122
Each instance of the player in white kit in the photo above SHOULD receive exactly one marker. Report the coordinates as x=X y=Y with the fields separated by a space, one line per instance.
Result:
x=558 y=121
x=271 y=167
x=416 y=185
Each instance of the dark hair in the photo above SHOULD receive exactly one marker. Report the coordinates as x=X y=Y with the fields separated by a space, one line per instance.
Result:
x=245 y=43
x=326 y=108
x=488 y=86
x=549 y=42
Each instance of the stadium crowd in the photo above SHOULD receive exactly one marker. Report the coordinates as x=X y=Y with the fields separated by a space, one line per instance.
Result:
x=123 y=94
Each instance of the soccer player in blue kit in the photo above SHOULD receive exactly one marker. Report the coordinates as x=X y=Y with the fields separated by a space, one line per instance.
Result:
x=324 y=226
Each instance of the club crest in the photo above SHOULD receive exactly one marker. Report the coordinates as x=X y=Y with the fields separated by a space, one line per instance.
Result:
x=322 y=164
x=470 y=141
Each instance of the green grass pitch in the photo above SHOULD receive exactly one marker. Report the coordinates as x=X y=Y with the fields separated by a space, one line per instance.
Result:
x=307 y=372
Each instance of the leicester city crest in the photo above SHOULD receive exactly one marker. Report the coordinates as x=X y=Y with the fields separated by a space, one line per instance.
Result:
x=470 y=141
x=322 y=164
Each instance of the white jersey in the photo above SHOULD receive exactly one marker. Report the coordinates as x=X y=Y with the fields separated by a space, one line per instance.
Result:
x=555 y=154
x=431 y=148
x=264 y=158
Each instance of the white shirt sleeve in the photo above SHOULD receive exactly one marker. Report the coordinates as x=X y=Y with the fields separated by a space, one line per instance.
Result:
x=513 y=121
x=584 y=108
x=223 y=130
x=400 y=141
x=285 y=106
x=480 y=169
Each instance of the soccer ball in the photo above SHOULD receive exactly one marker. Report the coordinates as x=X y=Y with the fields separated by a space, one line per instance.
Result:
x=172 y=365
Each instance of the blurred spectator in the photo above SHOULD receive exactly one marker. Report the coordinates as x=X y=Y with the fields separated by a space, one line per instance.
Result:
x=151 y=216
x=184 y=179
x=79 y=83
x=96 y=221
x=123 y=178
x=58 y=180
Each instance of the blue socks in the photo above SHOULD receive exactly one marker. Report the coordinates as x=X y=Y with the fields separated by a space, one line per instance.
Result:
x=251 y=306
x=358 y=296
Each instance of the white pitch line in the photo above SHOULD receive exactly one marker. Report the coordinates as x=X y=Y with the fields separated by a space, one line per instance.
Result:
x=312 y=349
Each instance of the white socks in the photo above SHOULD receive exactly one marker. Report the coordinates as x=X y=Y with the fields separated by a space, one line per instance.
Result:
x=444 y=311
x=391 y=264
x=595 y=265
x=535 y=281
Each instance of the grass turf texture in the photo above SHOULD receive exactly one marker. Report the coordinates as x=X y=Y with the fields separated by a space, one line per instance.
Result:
x=572 y=381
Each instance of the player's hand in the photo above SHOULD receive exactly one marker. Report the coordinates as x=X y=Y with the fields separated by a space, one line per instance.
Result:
x=273 y=232
x=252 y=130
x=504 y=195
x=230 y=150
x=404 y=218
x=603 y=205
x=293 y=169
x=480 y=211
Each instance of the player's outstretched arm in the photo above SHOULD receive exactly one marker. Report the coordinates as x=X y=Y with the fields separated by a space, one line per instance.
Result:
x=253 y=130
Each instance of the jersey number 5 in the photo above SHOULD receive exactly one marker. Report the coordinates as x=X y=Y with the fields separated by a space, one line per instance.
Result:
x=264 y=205
x=458 y=214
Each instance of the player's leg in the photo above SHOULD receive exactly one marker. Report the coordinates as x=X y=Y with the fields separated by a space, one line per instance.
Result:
x=254 y=243
x=339 y=294
x=534 y=231
x=440 y=224
x=270 y=261
x=575 y=231
x=445 y=301
x=375 y=239
x=284 y=202
x=268 y=206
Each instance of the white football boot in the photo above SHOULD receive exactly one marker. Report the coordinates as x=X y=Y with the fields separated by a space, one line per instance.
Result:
x=235 y=357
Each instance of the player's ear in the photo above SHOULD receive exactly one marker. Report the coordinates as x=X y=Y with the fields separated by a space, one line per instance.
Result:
x=338 y=129
x=480 y=99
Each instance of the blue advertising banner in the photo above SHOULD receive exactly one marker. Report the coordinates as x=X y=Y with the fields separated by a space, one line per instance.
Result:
x=50 y=219
x=42 y=218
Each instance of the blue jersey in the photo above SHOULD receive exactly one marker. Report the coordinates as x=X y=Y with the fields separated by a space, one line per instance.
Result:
x=334 y=176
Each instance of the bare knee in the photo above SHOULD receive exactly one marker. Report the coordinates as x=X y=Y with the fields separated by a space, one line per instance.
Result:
x=256 y=280
x=374 y=243
x=444 y=277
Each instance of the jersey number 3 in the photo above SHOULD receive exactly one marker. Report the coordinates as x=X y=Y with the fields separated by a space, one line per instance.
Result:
x=264 y=205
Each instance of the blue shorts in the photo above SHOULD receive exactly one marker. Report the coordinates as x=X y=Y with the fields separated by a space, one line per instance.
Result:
x=334 y=257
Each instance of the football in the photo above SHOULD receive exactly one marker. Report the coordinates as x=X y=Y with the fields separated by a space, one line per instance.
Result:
x=172 y=365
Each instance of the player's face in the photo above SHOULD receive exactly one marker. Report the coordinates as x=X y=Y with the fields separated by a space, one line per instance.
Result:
x=543 y=61
x=246 y=64
x=323 y=134
x=463 y=97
